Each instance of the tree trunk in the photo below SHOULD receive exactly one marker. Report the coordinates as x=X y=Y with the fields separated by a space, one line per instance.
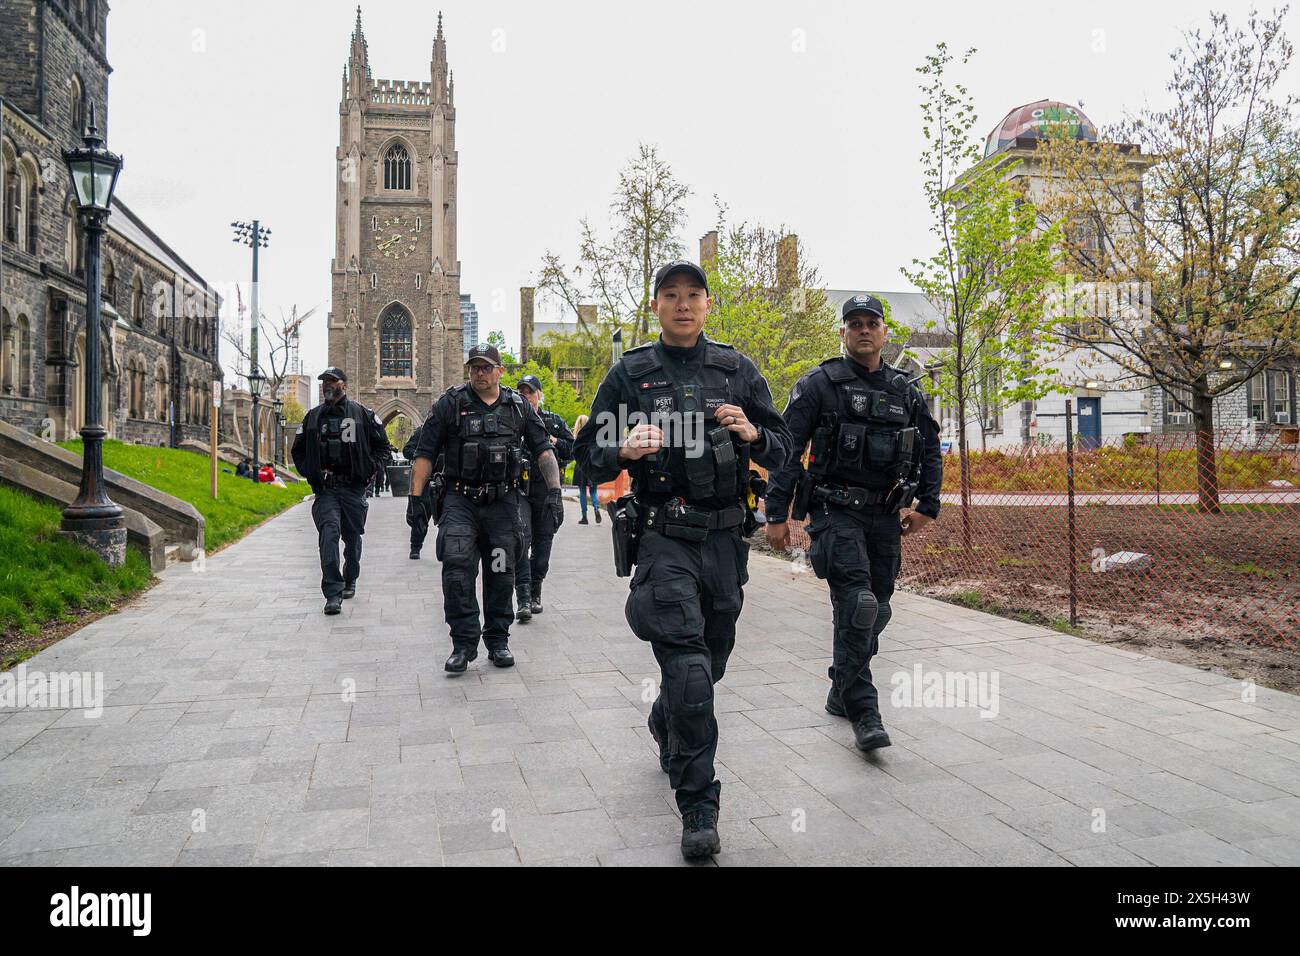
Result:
x=1207 y=472
x=963 y=461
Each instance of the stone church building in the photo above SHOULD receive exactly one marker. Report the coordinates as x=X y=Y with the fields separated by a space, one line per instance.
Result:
x=159 y=330
x=395 y=323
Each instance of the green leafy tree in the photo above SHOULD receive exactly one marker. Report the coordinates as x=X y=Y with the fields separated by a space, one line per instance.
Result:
x=768 y=303
x=992 y=274
x=294 y=413
x=497 y=338
x=558 y=397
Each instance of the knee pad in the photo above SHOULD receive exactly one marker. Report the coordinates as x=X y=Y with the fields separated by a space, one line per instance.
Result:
x=864 y=610
x=883 y=614
x=689 y=684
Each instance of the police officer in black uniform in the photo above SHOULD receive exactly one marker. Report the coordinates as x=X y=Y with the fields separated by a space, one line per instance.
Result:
x=534 y=558
x=338 y=448
x=875 y=449
x=480 y=427
x=420 y=523
x=710 y=412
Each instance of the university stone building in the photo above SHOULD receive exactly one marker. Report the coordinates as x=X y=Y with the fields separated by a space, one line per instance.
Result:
x=395 y=323
x=159 y=332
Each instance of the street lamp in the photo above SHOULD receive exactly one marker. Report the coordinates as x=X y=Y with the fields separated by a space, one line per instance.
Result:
x=92 y=519
x=252 y=234
x=279 y=434
x=255 y=383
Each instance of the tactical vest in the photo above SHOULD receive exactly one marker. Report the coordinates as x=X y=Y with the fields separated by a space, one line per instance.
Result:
x=872 y=438
x=483 y=446
x=701 y=459
x=333 y=441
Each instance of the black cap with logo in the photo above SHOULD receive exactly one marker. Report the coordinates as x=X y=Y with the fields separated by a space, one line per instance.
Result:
x=486 y=353
x=333 y=372
x=680 y=266
x=531 y=381
x=862 y=303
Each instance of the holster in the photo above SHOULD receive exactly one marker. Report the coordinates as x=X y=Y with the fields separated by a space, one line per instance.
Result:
x=625 y=518
x=436 y=497
x=802 y=496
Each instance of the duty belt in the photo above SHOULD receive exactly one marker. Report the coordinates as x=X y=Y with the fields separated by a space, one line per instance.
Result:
x=484 y=494
x=848 y=496
x=676 y=519
x=333 y=479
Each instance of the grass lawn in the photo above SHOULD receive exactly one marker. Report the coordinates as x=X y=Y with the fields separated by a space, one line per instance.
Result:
x=45 y=579
x=240 y=504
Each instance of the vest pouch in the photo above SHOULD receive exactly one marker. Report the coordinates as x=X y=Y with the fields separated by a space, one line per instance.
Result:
x=474 y=426
x=882 y=449
x=906 y=444
x=497 y=459
x=490 y=423
x=516 y=465
x=724 y=462
x=849 y=446
x=470 y=461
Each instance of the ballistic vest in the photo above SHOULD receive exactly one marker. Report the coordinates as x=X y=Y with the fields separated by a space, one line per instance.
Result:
x=701 y=460
x=873 y=437
x=334 y=436
x=483 y=446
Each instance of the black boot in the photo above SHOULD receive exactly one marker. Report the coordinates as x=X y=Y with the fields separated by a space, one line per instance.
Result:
x=537 y=597
x=598 y=516
x=334 y=605
x=459 y=661
x=834 y=706
x=661 y=738
x=349 y=590
x=583 y=519
x=502 y=657
x=869 y=733
x=525 y=603
x=415 y=554
x=700 y=834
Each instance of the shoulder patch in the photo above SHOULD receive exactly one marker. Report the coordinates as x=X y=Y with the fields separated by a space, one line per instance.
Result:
x=721 y=355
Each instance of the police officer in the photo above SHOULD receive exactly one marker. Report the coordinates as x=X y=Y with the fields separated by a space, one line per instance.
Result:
x=481 y=427
x=875 y=447
x=338 y=448
x=420 y=524
x=710 y=412
x=534 y=558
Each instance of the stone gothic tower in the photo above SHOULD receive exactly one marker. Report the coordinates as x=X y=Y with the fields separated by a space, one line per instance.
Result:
x=394 y=323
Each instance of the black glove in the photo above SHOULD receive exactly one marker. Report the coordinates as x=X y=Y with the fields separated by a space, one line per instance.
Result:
x=416 y=511
x=555 y=505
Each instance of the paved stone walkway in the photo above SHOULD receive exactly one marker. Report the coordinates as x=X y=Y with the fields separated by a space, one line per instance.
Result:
x=227 y=737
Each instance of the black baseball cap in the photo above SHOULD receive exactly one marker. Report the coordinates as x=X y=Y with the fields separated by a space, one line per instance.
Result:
x=487 y=353
x=531 y=381
x=862 y=303
x=680 y=265
x=333 y=372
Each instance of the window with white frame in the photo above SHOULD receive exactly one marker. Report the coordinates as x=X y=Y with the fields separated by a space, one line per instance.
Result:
x=1281 y=382
x=1178 y=406
x=1258 y=398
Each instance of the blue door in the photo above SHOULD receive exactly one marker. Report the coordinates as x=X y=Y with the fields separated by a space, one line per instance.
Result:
x=1089 y=422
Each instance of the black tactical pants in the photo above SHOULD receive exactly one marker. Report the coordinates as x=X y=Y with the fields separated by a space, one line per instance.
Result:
x=685 y=599
x=471 y=533
x=534 y=558
x=339 y=512
x=858 y=554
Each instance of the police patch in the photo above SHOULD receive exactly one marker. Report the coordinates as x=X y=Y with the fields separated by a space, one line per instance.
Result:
x=860 y=403
x=663 y=404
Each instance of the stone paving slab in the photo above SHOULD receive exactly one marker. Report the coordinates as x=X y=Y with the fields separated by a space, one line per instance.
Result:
x=242 y=727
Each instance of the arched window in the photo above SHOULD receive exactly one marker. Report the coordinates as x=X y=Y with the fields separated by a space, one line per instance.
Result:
x=397 y=168
x=137 y=302
x=161 y=396
x=25 y=357
x=73 y=245
x=7 y=353
x=33 y=210
x=77 y=106
x=13 y=197
x=395 y=344
x=135 y=372
x=108 y=283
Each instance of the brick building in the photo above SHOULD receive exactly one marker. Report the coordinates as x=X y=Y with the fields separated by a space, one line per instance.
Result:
x=395 y=322
x=159 y=335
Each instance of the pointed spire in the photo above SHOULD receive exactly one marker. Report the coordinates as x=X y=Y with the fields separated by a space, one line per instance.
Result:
x=439 y=65
x=439 y=25
x=451 y=88
x=356 y=32
x=358 y=69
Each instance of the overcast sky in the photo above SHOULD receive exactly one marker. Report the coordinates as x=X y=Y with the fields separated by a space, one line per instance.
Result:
x=797 y=114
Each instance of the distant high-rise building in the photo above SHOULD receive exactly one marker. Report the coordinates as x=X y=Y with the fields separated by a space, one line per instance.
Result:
x=469 y=320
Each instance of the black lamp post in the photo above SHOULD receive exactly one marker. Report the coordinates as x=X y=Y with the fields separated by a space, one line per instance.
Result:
x=279 y=432
x=255 y=383
x=93 y=520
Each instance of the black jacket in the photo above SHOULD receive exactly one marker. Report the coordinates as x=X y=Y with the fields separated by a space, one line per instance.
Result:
x=368 y=452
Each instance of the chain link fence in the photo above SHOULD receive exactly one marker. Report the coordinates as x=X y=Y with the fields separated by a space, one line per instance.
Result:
x=1128 y=538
